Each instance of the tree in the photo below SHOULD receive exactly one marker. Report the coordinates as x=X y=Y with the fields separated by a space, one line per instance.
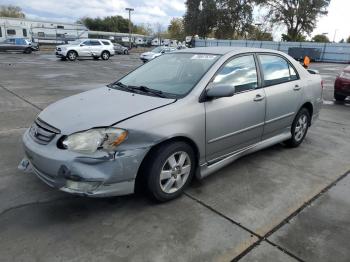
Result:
x=298 y=38
x=320 y=39
x=299 y=16
x=11 y=11
x=348 y=40
x=234 y=18
x=256 y=33
x=176 y=29
x=200 y=22
x=143 y=29
x=108 y=24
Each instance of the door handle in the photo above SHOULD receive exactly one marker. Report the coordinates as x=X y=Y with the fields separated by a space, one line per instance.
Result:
x=258 y=97
x=297 y=87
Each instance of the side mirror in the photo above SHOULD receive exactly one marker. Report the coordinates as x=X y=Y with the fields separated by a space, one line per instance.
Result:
x=162 y=52
x=220 y=90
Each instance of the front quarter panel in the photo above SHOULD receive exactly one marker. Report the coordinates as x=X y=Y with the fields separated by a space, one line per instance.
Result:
x=184 y=118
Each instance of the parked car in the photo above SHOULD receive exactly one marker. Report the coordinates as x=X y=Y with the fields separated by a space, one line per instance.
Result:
x=95 y=48
x=342 y=85
x=18 y=44
x=158 y=51
x=186 y=113
x=119 y=49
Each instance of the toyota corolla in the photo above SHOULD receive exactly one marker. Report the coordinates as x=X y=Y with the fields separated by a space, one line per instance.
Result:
x=183 y=114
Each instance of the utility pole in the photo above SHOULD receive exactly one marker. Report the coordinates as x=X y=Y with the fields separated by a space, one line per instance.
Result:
x=130 y=10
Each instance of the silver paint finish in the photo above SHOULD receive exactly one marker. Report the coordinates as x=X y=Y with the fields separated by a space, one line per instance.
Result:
x=234 y=126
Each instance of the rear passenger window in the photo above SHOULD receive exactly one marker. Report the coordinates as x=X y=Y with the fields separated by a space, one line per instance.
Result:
x=276 y=70
x=105 y=43
x=240 y=72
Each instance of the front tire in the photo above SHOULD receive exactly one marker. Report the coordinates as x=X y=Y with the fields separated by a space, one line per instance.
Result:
x=126 y=52
x=72 y=55
x=105 y=55
x=170 y=170
x=300 y=127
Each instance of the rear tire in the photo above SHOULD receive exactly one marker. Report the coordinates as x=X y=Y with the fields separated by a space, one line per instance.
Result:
x=300 y=127
x=339 y=97
x=105 y=55
x=169 y=170
x=72 y=55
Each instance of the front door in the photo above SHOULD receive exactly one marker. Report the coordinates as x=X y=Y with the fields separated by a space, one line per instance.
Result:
x=233 y=123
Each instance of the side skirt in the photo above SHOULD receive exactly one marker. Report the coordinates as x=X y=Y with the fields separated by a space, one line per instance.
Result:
x=209 y=168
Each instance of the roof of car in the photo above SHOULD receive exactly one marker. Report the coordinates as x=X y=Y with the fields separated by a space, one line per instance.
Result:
x=222 y=50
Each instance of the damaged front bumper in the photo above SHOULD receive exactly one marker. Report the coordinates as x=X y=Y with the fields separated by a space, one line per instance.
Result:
x=98 y=175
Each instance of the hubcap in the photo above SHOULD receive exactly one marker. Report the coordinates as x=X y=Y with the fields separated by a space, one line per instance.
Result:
x=300 y=128
x=105 y=55
x=175 y=172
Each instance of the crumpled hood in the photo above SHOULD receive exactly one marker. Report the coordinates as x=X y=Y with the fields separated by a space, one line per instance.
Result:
x=98 y=108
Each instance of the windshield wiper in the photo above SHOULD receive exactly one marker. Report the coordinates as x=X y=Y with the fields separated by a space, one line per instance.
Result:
x=151 y=91
x=135 y=89
x=120 y=84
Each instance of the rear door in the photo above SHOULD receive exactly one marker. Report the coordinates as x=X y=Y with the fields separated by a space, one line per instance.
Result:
x=96 y=47
x=233 y=123
x=283 y=89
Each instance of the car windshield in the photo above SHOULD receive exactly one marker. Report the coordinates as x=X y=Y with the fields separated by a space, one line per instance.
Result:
x=157 y=49
x=172 y=74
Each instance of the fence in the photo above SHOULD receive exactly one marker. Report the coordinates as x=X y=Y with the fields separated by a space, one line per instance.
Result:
x=329 y=52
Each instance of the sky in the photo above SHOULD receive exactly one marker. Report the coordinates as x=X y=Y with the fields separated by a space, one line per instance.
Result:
x=159 y=11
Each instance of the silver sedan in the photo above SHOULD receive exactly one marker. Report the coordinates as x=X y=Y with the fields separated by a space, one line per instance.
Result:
x=183 y=114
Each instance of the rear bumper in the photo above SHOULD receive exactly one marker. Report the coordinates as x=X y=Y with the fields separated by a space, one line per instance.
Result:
x=342 y=87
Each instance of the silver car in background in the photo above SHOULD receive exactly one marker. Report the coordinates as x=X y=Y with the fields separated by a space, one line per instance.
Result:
x=96 y=48
x=158 y=51
x=184 y=114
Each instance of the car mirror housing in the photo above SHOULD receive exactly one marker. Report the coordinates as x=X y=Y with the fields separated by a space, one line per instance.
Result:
x=220 y=90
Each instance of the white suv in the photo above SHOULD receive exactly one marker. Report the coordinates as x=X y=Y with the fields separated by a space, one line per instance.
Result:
x=95 y=48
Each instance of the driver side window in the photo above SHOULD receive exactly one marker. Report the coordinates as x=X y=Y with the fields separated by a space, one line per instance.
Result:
x=240 y=72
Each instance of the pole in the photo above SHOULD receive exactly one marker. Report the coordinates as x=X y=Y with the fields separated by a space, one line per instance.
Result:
x=129 y=9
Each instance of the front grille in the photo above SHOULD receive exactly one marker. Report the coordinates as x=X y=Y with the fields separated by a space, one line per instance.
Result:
x=42 y=133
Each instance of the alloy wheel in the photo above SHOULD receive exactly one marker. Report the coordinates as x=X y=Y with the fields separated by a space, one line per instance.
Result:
x=301 y=127
x=175 y=172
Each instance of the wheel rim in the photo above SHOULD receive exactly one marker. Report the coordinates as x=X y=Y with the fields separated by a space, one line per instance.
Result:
x=105 y=56
x=300 y=128
x=175 y=172
x=71 y=56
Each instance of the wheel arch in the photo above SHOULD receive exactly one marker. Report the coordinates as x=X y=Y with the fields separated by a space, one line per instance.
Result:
x=140 y=179
x=310 y=108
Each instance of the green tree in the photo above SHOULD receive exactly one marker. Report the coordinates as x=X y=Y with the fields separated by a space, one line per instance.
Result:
x=234 y=18
x=176 y=29
x=200 y=22
x=256 y=33
x=299 y=16
x=11 y=11
x=143 y=29
x=107 y=24
x=320 y=39
x=298 y=38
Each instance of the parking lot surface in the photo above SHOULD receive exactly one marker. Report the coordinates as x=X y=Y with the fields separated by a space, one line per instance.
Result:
x=278 y=204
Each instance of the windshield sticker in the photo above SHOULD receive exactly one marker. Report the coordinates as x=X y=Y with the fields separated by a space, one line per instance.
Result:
x=204 y=57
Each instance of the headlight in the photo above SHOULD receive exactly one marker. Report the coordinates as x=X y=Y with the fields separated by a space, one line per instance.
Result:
x=345 y=75
x=100 y=138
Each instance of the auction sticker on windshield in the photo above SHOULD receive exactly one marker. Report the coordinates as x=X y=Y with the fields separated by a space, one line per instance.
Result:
x=204 y=57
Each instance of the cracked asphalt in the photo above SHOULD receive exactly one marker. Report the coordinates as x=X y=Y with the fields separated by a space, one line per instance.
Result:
x=278 y=204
